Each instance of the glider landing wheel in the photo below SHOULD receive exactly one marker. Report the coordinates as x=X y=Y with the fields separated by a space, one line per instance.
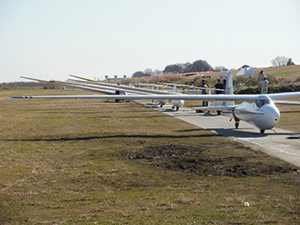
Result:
x=237 y=125
x=262 y=131
x=161 y=106
x=219 y=112
x=177 y=108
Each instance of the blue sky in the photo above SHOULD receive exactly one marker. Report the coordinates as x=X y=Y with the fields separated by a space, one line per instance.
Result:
x=54 y=38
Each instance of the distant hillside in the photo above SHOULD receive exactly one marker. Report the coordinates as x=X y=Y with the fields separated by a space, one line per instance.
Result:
x=278 y=76
x=27 y=86
x=285 y=73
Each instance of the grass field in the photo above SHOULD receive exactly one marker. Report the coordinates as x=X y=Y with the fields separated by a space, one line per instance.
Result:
x=91 y=162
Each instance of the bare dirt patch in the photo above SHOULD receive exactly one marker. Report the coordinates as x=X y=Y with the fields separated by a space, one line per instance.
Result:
x=204 y=161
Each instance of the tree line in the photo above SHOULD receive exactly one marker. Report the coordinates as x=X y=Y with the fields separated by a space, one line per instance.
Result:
x=197 y=66
x=202 y=66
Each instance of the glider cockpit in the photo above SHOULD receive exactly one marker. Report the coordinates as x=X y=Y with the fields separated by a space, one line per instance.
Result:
x=262 y=100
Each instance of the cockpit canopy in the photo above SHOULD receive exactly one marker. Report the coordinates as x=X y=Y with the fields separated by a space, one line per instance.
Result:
x=262 y=100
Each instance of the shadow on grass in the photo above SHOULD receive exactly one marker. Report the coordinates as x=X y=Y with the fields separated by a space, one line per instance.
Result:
x=74 y=116
x=240 y=133
x=109 y=137
x=208 y=114
x=288 y=112
x=243 y=133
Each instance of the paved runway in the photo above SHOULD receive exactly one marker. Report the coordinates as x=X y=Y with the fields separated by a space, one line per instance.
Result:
x=283 y=144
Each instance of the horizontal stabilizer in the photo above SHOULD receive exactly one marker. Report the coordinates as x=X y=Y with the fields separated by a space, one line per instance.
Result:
x=230 y=107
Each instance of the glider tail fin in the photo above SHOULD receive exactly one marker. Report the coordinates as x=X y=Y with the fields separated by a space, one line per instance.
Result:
x=228 y=89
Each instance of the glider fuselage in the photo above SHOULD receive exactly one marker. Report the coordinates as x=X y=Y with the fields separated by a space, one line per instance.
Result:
x=262 y=113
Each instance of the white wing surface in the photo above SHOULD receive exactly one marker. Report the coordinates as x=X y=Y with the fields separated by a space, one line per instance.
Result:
x=248 y=98
x=154 y=96
x=284 y=95
x=74 y=85
x=110 y=89
x=159 y=95
x=287 y=102
x=144 y=90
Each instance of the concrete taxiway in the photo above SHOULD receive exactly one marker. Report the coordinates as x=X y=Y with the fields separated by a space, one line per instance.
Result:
x=279 y=143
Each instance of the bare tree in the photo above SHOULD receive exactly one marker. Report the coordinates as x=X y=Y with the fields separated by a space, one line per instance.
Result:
x=220 y=68
x=156 y=72
x=148 y=72
x=280 y=61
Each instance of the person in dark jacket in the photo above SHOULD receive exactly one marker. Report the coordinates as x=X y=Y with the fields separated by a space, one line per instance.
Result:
x=219 y=85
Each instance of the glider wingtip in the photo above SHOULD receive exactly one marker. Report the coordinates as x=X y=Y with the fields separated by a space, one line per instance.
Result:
x=21 y=96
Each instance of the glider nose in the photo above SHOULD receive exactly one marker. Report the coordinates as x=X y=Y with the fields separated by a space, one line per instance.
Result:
x=273 y=117
x=276 y=118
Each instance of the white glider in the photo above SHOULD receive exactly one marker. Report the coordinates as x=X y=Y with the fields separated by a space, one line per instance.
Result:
x=259 y=110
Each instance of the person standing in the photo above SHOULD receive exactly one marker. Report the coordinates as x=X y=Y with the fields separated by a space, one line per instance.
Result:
x=224 y=86
x=219 y=85
x=261 y=76
x=204 y=92
x=264 y=85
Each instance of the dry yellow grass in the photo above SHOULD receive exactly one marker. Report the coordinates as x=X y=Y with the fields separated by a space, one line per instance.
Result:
x=90 y=162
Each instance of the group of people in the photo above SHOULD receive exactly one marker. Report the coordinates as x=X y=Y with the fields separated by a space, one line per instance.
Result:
x=221 y=87
x=218 y=86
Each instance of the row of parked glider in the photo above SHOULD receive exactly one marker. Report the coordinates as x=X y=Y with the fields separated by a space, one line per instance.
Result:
x=258 y=109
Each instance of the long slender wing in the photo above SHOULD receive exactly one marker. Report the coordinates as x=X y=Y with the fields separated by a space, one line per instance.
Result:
x=121 y=86
x=88 y=86
x=68 y=84
x=249 y=98
x=284 y=95
x=274 y=96
x=287 y=102
x=164 y=96
x=144 y=84
x=157 y=97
